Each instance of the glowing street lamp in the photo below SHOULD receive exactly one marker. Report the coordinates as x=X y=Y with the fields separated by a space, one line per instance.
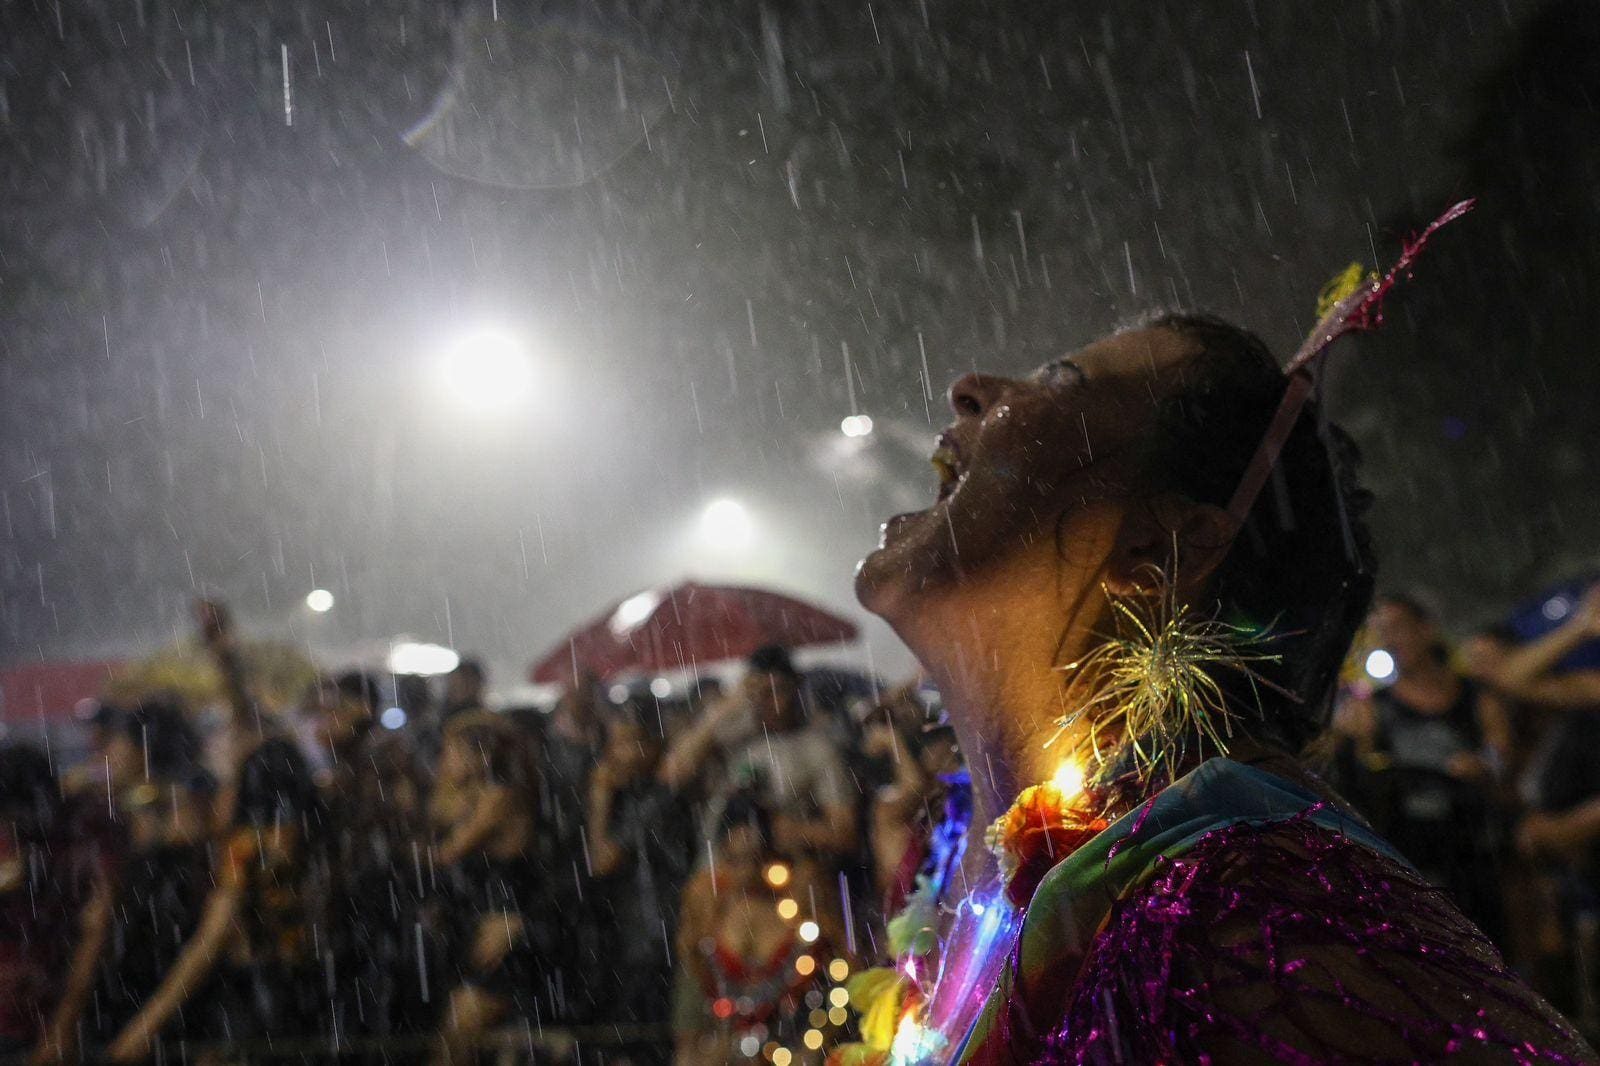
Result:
x=487 y=369
x=856 y=425
x=428 y=660
x=1380 y=665
x=726 y=524
x=319 y=600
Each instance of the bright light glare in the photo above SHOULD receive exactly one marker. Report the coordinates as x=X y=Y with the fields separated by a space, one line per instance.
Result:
x=809 y=931
x=393 y=718
x=488 y=370
x=661 y=688
x=320 y=600
x=618 y=693
x=633 y=610
x=1380 y=665
x=425 y=659
x=856 y=425
x=726 y=524
x=1068 y=779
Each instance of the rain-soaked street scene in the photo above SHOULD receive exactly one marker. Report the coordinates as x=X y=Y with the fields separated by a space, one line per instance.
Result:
x=848 y=532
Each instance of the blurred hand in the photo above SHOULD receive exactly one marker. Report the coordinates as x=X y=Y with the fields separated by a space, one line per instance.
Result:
x=133 y=1045
x=878 y=741
x=497 y=935
x=732 y=704
x=1481 y=659
x=603 y=779
x=1548 y=836
x=1467 y=766
x=1587 y=615
x=214 y=622
x=608 y=858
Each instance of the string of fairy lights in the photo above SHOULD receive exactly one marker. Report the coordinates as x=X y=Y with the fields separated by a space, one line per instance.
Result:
x=827 y=1008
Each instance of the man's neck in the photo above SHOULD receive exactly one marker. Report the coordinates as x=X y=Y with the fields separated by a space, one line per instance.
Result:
x=997 y=663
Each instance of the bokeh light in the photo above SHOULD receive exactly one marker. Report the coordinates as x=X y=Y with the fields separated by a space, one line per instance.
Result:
x=487 y=370
x=856 y=425
x=726 y=524
x=1380 y=665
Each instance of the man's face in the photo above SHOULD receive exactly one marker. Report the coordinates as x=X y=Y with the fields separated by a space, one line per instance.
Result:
x=1408 y=638
x=460 y=687
x=1021 y=456
x=340 y=719
x=775 y=699
x=631 y=749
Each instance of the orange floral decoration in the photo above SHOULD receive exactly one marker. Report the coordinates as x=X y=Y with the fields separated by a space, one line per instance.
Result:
x=1043 y=827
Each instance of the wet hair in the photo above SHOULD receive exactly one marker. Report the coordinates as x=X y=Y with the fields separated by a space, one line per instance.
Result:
x=359 y=686
x=744 y=808
x=1409 y=602
x=773 y=659
x=472 y=668
x=30 y=798
x=1415 y=605
x=275 y=786
x=1301 y=570
x=171 y=745
x=636 y=712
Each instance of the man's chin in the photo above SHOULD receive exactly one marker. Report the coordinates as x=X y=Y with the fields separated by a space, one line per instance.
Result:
x=890 y=578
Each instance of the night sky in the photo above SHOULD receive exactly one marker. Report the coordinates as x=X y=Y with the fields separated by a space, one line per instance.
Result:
x=719 y=229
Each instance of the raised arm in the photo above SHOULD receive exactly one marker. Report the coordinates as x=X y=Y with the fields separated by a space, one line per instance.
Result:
x=489 y=813
x=59 y=1041
x=195 y=963
x=1525 y=674
x=687 y=756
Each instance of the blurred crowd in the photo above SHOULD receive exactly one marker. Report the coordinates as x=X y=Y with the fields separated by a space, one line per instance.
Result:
x=690 y=878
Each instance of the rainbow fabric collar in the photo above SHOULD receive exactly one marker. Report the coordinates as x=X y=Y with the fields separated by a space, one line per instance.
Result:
x=1217 y=794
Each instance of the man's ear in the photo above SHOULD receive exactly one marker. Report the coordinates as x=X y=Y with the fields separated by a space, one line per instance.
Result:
x=1166 y=540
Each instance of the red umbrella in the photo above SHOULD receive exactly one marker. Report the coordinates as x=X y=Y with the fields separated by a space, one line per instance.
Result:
x=676 y=627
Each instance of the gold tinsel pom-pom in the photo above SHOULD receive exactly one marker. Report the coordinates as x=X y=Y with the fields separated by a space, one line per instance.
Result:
x=1154 y=685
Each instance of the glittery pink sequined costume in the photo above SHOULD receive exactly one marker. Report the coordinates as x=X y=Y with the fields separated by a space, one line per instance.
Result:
x=1238 y=918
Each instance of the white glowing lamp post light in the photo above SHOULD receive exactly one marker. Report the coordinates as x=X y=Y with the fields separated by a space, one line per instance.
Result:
x=856 y=425
x=413 y=657
x=487 y=370
x=725 y=524
x=319 y=601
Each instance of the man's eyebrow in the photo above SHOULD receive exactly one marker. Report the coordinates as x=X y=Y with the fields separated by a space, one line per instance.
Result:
x=1066 y=363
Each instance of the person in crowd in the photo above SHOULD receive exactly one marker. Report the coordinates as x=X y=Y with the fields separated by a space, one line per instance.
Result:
x=379 y=827
x=57 y=870
x=1428 y=746
x=164 y=799
x=1430 y=717
x=1559 y=832
x=484 y=813
x=796 y=770
x=1191 y=867
x=1535 y=670
x=342 y=711
x=746 y=943
x=252 y=957
x=568 y=743
x=904 y=810
x=641 y=847
x=465 y=689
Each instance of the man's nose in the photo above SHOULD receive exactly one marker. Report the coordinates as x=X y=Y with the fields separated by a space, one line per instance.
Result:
x=972 y=394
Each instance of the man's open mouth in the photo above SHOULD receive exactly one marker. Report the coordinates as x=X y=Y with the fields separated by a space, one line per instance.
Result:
x=947 y=463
